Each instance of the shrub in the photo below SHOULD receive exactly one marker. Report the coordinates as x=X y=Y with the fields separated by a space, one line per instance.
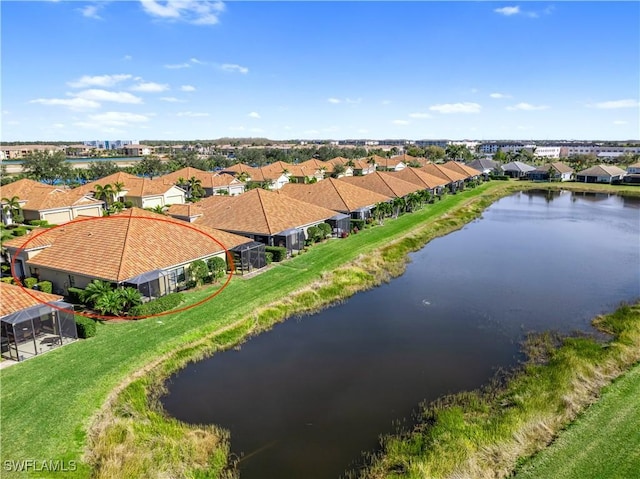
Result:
x=8 y=280
x=499 y=177
x=86 y=327
x=30 y=282
x=19 y=231
x=268 y=257
x=279 y=253
x=45 y=286
x=43 y=223
x=128 y=204
x=357 y=225
x=326 y=229
x=314 y=234
x=76 y=294
x=198 y=273
x=217 y=266
x=157 y=306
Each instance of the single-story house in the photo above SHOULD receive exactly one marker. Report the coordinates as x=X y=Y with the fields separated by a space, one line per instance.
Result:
x=305 y=173
x=633 y=174
x=469 y=173
x=485 y=165
x=426 y=181
x=557 y=171
x=517 y=169
x=212 y=183
x=338 y=196
x=57 y=205
x=384 y=183
x=142 y=192
x=189 y=212
x=395 y=163
x=135 y=248
x=33 y=322
x=601 y=174
x=267 y=217
x=455 y=180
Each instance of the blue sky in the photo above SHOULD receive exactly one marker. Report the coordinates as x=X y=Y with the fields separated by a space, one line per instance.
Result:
x=189 y=70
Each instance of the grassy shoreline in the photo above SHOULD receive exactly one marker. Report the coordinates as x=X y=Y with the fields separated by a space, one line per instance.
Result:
x=126 y=363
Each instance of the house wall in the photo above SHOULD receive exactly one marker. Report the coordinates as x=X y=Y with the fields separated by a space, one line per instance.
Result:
x=633 y=169
x=174 y=199
x=57 y=217
x=93 y=210
x=236 y=189
x=61 y=281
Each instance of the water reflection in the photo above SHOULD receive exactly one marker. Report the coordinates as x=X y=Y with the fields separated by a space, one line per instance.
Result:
x=303 y=400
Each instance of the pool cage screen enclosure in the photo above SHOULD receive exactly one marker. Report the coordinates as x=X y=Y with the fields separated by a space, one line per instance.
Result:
x=36 y=330
x=248 y=257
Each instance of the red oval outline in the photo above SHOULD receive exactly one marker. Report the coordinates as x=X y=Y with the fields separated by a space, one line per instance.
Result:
x=105 y=317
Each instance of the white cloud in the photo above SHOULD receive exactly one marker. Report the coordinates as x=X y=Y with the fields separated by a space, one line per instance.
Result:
x=105 y=95
x=127 y=58
x=187 y=88
x=499 y=95
x=508 y=11
x=197 y=12
x=91 y=11
x=177 y=66
x=233 y=68
x=466 y=107
x=171 y=99
x=72 y=103
x=335 y=101
x=400 y=122
x=196 y=61
x=420 y=115
x=527 y=107
x=620 y=122
x=150 y=87
x=610 y=105
x=99 y=80
x=112 y=119
x=254 y=114
x=192 y=114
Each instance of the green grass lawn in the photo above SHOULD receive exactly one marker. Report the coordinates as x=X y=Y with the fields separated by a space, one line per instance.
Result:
x=47 y=403
x=603 y=443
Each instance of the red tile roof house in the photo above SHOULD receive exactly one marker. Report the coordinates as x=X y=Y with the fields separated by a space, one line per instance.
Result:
x=337 y=195
x=339 y=161
x=455 y=180
x=271 y=176
x=470 y=174
x=434 y=184
x=33 y=322
x=142 y=192
x=384 y=183
x=265 y=216
x=212 y=183
x=394 y=163
x=134 y=248
x=53 y=204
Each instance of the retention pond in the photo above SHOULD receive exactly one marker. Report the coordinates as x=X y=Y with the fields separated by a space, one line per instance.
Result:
x=306 y=398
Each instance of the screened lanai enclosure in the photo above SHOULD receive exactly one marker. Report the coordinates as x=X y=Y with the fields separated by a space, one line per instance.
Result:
x=248 y=257
x=152 y=284
x=340 y=223
x=36 y=330
x=292 y=239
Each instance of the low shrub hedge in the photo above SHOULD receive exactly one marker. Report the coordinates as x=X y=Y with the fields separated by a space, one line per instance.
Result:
x=279 y=253
x=45 y=286
x=75 y=294
x=357 y=224
x=86 y=327
x=268 y=257
x=30 y=282
x=156 y=306
x=43 y=223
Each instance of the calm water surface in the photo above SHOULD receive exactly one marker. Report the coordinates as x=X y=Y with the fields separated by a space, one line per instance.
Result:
x=306 y=398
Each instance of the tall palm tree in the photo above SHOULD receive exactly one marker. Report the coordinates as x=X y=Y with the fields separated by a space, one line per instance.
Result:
x=118 y=187
x=195 y=188
x=95 y=290
x=12 y=209
x=104 y=193
x=399 y=204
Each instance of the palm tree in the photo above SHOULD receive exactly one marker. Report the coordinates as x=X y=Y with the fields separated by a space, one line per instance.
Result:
x=244 y=176
x=157 y=209
x=398 y=205
x=110 y=302
x=95 y=290
x=338 y=171
x=195 y=188
x=118 y=187
x=130 y=297
x=12 y=209
x=104 y=193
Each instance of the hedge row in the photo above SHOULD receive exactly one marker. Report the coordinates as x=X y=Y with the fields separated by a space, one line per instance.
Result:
x=157 y=306
x=86 y=327
x=279 y=252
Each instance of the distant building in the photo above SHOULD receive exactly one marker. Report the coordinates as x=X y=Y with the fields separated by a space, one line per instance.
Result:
x=17 y=152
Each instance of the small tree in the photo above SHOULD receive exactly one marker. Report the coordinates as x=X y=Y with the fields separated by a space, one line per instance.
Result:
x=198 y=272
x=325 y=228
x=314 y=234
x=217 y=267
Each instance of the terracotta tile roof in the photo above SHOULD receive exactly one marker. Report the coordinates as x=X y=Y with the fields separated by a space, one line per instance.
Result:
x=602 y=170
x=275 y=169
x=13 y=298
x=390 y=162
x=334 y=194
x=305 y=171
x=21 y=188
x=240 y=168
x=259 y=211
x=188 y=210
x=384 y=183
x=445 y=173
x=318 y=164
x=461 y=168
x=120 y=247
x=145 y=187
x=207 y=179
x=119 y=177
x=420 y=177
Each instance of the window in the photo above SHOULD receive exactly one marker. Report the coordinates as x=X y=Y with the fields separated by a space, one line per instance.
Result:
x=72 y=281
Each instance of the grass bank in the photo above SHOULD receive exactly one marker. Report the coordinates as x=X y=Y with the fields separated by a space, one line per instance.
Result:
x=603 y=442
x=487 y=433
x=100 y=392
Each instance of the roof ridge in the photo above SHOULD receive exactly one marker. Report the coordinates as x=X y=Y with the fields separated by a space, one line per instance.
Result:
x=264 y=211
x=124 y=247
x=339 y=194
